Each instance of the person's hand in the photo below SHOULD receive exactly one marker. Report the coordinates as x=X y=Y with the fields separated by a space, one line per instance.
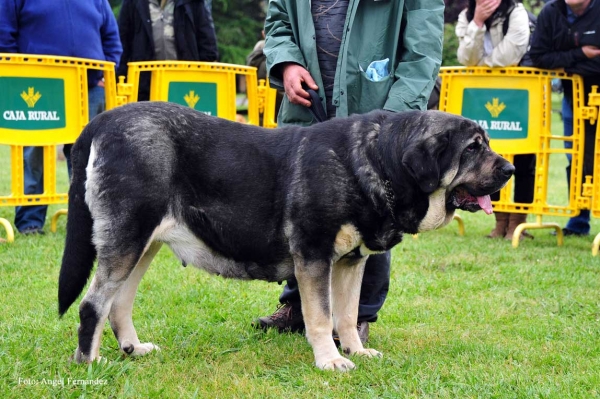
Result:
x=591 y=51
x=484 y=9
x=293 y=77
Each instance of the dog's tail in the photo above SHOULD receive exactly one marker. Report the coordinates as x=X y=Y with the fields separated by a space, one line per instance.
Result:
x=80 y=253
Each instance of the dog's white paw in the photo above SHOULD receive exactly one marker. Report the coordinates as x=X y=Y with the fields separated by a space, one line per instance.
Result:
x=139 y=349
x=368 y=353
x=338 y=363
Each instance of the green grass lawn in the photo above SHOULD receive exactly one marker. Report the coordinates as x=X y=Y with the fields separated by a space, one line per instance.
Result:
x=466 y=317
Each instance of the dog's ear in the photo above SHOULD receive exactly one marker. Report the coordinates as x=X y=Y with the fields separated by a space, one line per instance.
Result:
x=422 y=161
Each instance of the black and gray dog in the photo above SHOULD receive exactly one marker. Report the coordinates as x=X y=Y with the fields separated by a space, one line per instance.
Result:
x=251 y=203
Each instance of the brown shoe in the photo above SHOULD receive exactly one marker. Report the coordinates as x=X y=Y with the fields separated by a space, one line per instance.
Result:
x=363 y=333
x=287 y=318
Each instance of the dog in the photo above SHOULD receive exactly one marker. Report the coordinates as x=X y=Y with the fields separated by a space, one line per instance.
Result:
x=246 y=202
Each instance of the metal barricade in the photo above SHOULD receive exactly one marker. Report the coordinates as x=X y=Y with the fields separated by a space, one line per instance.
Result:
x=594 y=100
x=208 y=87
x=44 y=103
x=514 y=106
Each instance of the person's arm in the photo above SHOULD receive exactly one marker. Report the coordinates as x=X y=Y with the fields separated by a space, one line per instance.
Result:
x=280 y=43
x=513 y=46
x=206 y=37
x=420 y=55
x=8 y=27
x=126 y=27
x=542 y=52
x=470 y=40
x=109 y=32
x=588 y=67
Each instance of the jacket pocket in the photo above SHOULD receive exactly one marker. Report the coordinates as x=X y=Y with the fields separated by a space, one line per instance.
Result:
x=372 y=95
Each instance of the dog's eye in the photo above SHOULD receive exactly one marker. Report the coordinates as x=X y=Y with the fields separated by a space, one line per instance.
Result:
x=473 y=146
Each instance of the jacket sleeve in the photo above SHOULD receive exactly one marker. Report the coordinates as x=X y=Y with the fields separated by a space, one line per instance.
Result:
x=111 y=43
x=205 y=36
x=513 y=46
x=420 y=55
x=470 y=41
x=8 y=27
x=126 y=26
x=542 y=50
x=280 y=43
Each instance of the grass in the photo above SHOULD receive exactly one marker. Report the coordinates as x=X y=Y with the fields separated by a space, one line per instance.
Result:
x=466 y=317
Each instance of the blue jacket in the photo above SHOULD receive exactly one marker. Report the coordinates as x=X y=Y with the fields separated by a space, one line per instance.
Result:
x=80 y=28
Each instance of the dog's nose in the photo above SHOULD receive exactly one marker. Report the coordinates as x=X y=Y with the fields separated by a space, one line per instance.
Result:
x=507 y=170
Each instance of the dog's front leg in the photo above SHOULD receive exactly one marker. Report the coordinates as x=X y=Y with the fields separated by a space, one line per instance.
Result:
x=314 y=283
x=346 y=280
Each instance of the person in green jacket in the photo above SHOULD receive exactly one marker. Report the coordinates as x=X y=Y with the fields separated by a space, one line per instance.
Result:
x=358 y=55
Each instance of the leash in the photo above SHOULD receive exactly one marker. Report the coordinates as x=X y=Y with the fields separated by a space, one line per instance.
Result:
x=316 y=105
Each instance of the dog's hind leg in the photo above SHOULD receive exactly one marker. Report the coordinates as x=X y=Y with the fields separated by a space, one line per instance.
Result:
x=346 y=279
x=111 y=274
x=120 y=315
x=314 y=284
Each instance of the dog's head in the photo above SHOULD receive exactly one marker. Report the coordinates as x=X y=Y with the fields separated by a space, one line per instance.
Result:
x=450 y=159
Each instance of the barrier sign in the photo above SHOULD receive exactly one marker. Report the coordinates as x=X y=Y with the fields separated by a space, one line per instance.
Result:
x=503 y=113
x=196 y=95
x=32 y=103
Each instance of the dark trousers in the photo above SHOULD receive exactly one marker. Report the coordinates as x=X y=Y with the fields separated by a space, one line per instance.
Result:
x=524 y=179
x=374 y=289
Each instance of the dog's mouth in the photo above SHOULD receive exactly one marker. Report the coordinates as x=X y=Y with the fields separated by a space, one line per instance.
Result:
x=460 y=198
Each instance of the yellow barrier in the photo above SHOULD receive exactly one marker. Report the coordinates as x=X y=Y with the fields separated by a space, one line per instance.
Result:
x=44 y=103
x=594 y=100
x=267 y=97
x=514 y=106
x=208 y=87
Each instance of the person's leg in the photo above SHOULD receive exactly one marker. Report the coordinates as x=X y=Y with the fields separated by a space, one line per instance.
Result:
x=374 y=289
x=31 y=218
x=67 y=152
x=375 y=286
x=96 y=101
x=96 y=105
x=580 y=224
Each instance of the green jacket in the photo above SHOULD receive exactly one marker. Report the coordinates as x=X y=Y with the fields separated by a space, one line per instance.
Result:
x=408 y=32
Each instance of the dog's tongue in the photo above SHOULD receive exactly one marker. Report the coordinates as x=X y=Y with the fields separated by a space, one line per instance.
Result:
x=485 y=203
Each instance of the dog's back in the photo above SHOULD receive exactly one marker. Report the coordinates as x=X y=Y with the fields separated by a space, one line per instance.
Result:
x=134 y=165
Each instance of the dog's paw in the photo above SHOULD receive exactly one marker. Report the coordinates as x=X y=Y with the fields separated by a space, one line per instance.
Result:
x=79 y=358
x=338 y=363
x=138 y=349
x=368 y=353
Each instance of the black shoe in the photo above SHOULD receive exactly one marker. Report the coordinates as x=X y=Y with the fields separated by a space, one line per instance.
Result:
x=568 y=232
x=363 y=333
x=287 y=318
x=32 y=231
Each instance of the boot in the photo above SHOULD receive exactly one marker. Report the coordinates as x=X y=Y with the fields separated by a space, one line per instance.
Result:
x=515 y=219
x=501 y=225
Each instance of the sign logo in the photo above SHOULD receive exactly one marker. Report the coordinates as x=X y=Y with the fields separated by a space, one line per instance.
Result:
x=191 y=99
x=503 y=113
x=32 y=103
x=31 y=97
x=196 y=95
x=495 y=108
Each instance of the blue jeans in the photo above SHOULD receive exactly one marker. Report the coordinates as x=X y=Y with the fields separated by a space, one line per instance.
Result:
x=33 y=170
x=579 y=224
